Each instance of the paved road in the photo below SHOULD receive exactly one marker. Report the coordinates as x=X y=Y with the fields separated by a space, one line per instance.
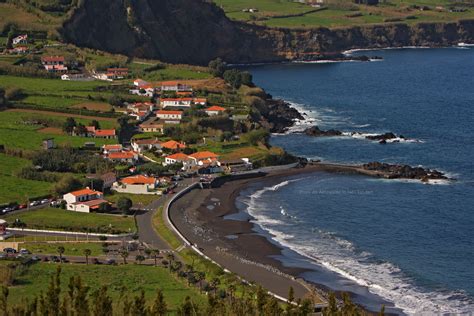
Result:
x=146 y=232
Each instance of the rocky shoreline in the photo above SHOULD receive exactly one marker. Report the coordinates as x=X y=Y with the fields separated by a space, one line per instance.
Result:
x=395 y=171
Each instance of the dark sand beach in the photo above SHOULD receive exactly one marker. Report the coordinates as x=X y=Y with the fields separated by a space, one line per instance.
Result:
x=234 y=244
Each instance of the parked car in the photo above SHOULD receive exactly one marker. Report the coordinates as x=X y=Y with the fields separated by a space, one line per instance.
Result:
x=35 y=203
x=24 y=251
x=22 y=206
x=54 y=259
x=176 y=178
x=9 y=250
x=44 y=201
x=2 y=255
x=64 y=260
x=35 y=258
x=110 y=262
x=96 y=261
x=45 y=259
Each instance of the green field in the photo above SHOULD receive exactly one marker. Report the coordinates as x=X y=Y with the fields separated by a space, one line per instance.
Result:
x=13 y=188
x=133 y=277
x=63 y=220
x=18 y=131
x=340 y=13
x=137 y=199
x=70 y=249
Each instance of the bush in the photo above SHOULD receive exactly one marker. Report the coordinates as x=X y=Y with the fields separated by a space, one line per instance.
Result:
x=14 y=94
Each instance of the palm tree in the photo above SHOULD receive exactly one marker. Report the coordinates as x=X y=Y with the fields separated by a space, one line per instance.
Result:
x=60 y=252
x=155 y=253
x=215 y=283
x=87 y=253
x=124 y=254
x=139 y=258
x=170 y=258
x=200 y=276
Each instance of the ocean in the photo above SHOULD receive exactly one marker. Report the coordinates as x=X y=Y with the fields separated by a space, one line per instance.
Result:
x=401 y=243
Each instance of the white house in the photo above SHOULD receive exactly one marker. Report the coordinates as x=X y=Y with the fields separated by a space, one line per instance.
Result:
x=85 y=200
x=115 y=148
x=169 y=115
x=175 y=86
x=214 y=110
x=144 y=91
x=140 y=83
x=128 y=157
x=138 y=184
x=176 y=102
x=20 y=39
x=140 y=145
x=176 y=158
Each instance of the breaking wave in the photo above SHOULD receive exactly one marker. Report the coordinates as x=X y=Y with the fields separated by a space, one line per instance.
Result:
x=339 y=255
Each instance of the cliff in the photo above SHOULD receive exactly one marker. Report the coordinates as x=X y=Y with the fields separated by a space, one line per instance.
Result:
x=194 y=32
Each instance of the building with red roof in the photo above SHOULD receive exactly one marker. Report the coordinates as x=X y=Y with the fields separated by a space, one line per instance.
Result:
x=175 y=86
x=128 y=157
x=138 y=184
x=85 y=200
x=169 y=114
x=176 y=102
x=173 y=145
x=214 y=110
x=176 y=158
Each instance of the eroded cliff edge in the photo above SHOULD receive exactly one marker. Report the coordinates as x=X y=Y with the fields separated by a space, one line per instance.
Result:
x=194 y=32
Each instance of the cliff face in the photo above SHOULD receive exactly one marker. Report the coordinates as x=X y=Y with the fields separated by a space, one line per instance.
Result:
x=194 y=32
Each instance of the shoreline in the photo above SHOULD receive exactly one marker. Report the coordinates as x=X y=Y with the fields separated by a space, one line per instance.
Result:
x=207 y=218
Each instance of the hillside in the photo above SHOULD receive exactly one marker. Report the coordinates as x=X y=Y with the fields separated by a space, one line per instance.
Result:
x=179 y=31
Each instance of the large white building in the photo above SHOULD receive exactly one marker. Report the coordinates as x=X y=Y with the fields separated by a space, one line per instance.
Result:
x=85 y=200
x=138 y=184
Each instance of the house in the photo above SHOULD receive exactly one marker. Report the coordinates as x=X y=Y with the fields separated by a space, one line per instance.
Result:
x=175 y=86
x=144 y=91
x=173 y=145
x=103 y=76
x=85 y=200
x=73 y=77
x=138 y=184
x=140 y=83
x=214 y=110
x=48 y=143
x=152 y=126
x=200 y=101
x=107 y=179
x=236 y=165
x=105 y=133
x=176 y=102
x=169 y=114
x=176 y=158
x=53 y=63
x=115 y=148
x=202 y=158
x=129 y=157
x=18 y=50
x=140 y=145
x=20 y=39
x=117 y=73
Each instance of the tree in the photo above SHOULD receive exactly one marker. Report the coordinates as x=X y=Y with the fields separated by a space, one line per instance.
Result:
x=124 y=204
x=102 y=304
x=3 y=100
x=159 y=307
x=291 y=299
x=272 y=307
x=215 y=282
x=233 y=77
x=87 y=253
x=69 y=125
x=200 y=276
x=124 y=254
x=81 y=130
x=116 y=100
x=61 y=251
x=11 y=34
x=246 y=78
x=154 y=253
x=96 y=124
x=217 y=67
x=4 y=299
x=139 y=305
x=67 y=184
x=187 y=308
x=139 y=258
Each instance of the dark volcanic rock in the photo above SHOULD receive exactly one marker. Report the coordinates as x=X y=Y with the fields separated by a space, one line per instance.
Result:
x=280 y=115
x=404 y=171
x=315 y=131
x=382 y=136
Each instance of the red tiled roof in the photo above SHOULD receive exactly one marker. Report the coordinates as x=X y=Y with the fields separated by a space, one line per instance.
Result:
x=86 y=191
x=122 y=155
x=149 y=141
x=215 y=108
x=105 y=132
x=114 y=146
x=196 y=100
x=170 y=83
x=169 y=112
x=92 y=203
x=52 y=59
x=177 y=99
x=139 y=179
x=201 y=155
x=172 y=144
x=178 y=156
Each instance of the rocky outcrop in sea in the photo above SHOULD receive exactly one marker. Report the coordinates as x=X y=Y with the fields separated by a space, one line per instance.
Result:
x=395 y=171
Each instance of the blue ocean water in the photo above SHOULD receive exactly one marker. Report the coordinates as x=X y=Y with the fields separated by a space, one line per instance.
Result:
x=408 y=243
